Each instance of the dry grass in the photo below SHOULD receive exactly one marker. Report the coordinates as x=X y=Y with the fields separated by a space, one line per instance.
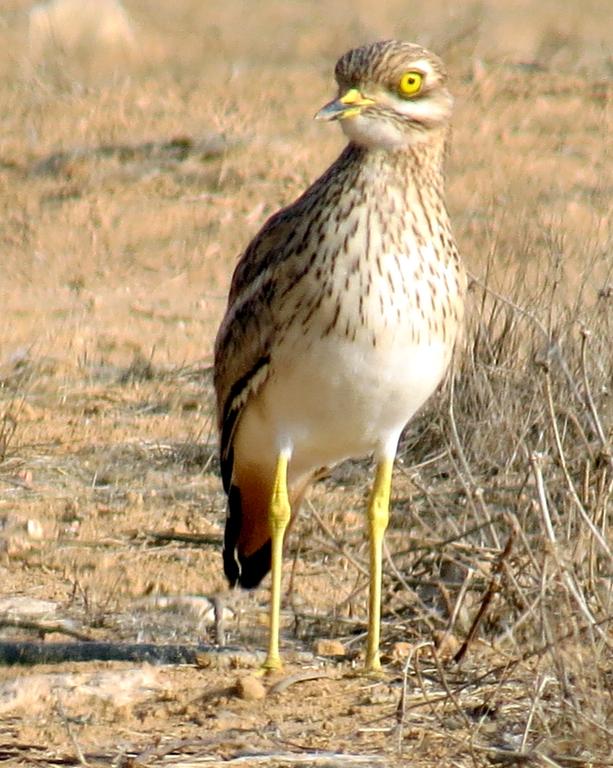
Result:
x=127 y=188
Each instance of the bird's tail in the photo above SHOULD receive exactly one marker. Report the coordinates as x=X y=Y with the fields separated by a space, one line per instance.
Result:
x=246 y=548
x=247 y=545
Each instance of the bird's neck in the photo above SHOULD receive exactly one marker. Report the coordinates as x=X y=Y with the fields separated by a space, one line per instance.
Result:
x=420 y=162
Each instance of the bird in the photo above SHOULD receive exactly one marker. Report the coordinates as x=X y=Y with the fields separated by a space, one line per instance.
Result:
x=342 y=317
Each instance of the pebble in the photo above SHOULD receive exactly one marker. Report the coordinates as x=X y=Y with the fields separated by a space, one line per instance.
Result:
x=329 y=648
x=401 y=650
x=250 y=688
x=34 y=529
x=447 y=644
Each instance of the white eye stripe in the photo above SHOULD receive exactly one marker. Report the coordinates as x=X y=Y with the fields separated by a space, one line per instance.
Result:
x=426 y=109
x=422 y=66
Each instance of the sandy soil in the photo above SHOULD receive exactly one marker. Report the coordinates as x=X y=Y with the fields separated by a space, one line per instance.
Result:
x=131 y=176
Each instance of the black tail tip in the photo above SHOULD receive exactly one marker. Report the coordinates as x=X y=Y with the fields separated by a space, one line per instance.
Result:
x=248 y=571
x=230 y=567
x=255 y=567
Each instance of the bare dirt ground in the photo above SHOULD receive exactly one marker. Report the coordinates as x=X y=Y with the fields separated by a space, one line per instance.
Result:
x=131 y=176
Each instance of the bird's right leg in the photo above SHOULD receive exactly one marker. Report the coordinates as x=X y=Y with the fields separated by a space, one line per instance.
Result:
x=378 y=518
x=278 y=516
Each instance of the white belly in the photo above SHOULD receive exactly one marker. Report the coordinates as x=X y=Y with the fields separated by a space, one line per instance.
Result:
x=338 y=399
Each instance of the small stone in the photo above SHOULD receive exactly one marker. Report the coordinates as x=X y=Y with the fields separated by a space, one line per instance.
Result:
x=329 y=648
x=250 y=688
x=34 y=529
x=447 y=645
x=401 y=651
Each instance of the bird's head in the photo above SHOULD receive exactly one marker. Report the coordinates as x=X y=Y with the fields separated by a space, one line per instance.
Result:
x=391 y=95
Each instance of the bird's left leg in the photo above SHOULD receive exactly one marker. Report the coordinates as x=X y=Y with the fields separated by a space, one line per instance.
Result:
x=378 y=517
x=278 y=516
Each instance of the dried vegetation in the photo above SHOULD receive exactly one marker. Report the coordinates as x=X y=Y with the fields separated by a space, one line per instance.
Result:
x=127 y=188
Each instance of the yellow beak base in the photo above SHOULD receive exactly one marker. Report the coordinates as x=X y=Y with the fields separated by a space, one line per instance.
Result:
x=352 y=103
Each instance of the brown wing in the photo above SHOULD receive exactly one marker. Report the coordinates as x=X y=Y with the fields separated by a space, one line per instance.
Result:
x=247 y=332
x=279 y=255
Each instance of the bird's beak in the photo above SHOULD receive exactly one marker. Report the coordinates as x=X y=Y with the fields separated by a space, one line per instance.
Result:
x=348 y=105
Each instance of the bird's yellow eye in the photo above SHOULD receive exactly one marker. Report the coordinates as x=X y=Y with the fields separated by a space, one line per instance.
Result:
x=410 y=83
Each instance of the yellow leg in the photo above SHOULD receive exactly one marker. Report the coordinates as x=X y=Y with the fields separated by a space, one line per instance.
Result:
x=278 y=516
x=378 y=517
